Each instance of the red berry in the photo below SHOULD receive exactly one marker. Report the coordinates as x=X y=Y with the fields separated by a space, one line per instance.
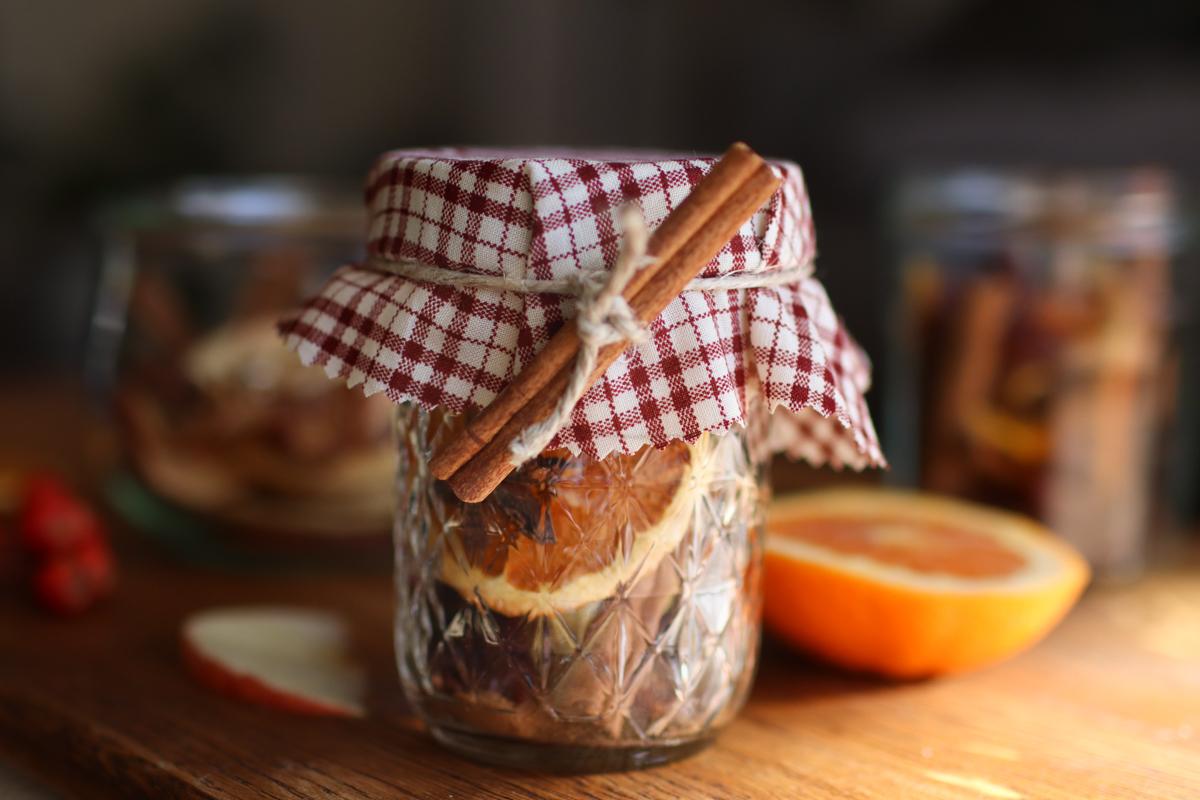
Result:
x=53 y=520
x=63 y=586
x=95 y=559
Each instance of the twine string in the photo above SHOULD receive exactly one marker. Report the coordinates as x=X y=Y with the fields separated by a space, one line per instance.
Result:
x=603 y=316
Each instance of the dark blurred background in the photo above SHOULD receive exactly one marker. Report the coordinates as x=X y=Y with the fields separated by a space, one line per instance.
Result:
x=101 y=99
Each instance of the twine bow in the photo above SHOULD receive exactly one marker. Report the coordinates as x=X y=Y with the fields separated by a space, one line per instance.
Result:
x=603 y=317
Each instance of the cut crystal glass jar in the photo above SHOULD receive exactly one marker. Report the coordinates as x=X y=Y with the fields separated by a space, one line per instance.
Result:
x=590 y=614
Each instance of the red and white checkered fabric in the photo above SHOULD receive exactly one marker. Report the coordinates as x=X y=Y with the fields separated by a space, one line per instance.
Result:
x=503 y=213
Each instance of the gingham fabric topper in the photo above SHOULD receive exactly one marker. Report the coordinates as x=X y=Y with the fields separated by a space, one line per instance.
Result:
x=550 y=215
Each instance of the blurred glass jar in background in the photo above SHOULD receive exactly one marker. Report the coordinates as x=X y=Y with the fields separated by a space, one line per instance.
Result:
x=1035 y=345
x=215 y=415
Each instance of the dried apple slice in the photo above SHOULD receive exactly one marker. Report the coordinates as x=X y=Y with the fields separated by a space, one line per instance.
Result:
x=293 y=659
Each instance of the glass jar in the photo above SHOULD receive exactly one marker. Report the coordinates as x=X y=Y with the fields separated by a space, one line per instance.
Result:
x=217 y=419
x=590 y=614
x=1035 y=344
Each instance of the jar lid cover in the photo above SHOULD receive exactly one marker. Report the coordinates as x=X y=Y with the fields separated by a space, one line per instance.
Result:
x=552 y=215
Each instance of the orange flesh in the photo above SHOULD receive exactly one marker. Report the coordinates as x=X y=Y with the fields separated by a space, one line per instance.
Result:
x=927 y=547
x=592 y=509
x=917 y=626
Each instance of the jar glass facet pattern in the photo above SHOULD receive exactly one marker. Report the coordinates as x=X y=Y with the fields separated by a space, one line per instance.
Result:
x=592 y=613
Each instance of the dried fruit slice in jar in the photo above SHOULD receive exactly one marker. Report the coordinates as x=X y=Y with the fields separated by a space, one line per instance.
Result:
x=565 y=531
x=912 y=585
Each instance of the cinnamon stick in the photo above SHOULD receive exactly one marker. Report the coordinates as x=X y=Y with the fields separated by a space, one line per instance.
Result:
x=484 y=472
x=735 y=166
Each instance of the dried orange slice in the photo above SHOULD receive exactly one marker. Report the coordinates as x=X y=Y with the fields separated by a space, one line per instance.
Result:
x=911 y=585
x=564 y=531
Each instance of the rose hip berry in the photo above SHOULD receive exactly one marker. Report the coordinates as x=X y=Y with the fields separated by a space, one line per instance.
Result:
x=95 y=559
x=63 y=586
x=53 y=520
x=75 y=563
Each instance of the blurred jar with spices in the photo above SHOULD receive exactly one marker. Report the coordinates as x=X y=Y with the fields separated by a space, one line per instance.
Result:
x=1034 y=367
x=216 y=417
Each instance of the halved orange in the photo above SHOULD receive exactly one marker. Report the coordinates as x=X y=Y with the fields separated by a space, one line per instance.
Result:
x=911 y=585
x=565 y=531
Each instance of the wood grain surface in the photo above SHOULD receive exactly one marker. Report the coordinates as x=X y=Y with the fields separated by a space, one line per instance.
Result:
x=1107 y=707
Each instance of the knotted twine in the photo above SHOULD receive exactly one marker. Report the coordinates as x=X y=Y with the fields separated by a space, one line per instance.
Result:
x=603 y=316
